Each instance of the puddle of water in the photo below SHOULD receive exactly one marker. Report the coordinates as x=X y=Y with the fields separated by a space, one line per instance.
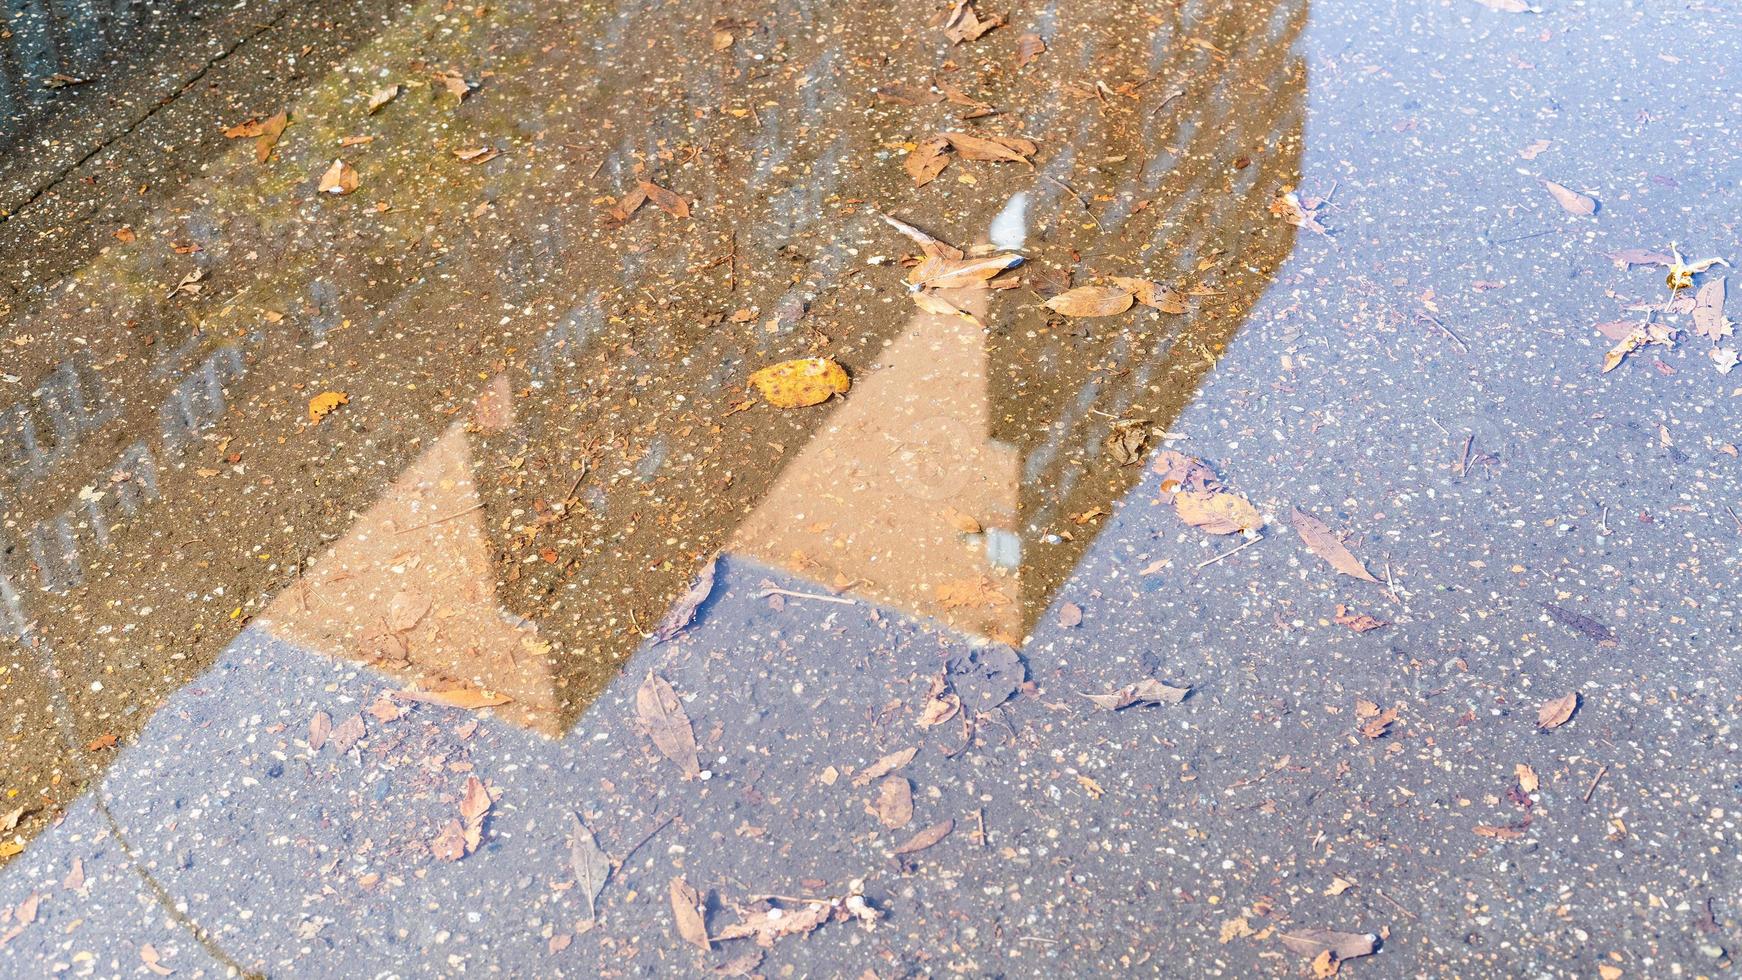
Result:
x=546 y=428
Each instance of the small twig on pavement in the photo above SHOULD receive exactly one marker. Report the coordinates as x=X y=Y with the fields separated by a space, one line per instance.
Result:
x=438 y=520
x=1464 y=463
x=624 y=860
x=1231 y=551
x=1395 y=903
x=765 y=593
x=1449 y=331
x=1593 y=787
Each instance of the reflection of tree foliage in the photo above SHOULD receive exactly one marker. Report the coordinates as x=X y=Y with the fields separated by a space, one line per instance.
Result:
x=1160 y=168
x=1205 y=167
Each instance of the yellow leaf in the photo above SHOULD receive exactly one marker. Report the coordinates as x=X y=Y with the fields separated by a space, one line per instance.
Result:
x=802 y=382
x=9 y=848
x=1325 y=965
x=324 y=404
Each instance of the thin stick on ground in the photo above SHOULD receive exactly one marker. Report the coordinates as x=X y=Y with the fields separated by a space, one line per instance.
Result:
x=765 y=593
x=1229 y=553
x=438 y=520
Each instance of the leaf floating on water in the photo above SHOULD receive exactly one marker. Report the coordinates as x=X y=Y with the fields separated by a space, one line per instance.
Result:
x=1709 y=319
x=686 y=910
x=801 y=383
x=1217 y=513
x=452 y=82
x=591 y=866
x=1091 y=301
x=1592 y=628
x=1571 y=200
x=1534 y=149
x=926 y=838
x=666 y=724
x=884 y=766
x=1320 y=541
x=1556 y=713
x=683 y=612
x=1180 y=472
x=1146 y=691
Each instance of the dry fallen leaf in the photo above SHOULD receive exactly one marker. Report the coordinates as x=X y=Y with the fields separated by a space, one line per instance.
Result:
x=665 y=200
x=148 y=955
x=686 y=909
x=663 y=718
x=381 y=96
x=1571 y=200
x=1338 y=886
x=453 y=83
x=348 y=733
x=1220 y=512
x=325 y=403
x=591 y=866
x=471 y=698
x=340 y=179
x=1709 y=319
x=476 y=800
x=1028 y=48
x=995 y=149
x=801 y=383
x=941 y=307
x=1326 y=545
x=1343 y=945
x=1359 y=622
x=1380 y=724
x=926 y=838
x=450 y=844
x=478 y=154
x=102 y=742
x=1527 y=781
x=319 y=727
x=1088 y=301
x=767 y=926
x=884 y=766
x=683 y=611
x=927 y=160
x=1325 y=965
x=627 y=205
x=270 y=130
x=1146 y=691
x=1498 y=833
x=1152 y=294
x=962 y=23
x=893 y=806
x=1555 y=713
x=938 y=272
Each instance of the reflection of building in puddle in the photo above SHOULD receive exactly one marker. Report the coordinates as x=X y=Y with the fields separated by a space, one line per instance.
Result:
x=901 y=496
x=411 y=590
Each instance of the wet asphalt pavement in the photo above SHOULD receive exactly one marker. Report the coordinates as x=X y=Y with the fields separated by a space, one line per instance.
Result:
x=358 y=481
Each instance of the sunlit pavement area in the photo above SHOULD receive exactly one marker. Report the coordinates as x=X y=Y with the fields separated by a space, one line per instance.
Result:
x=1243 y=488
